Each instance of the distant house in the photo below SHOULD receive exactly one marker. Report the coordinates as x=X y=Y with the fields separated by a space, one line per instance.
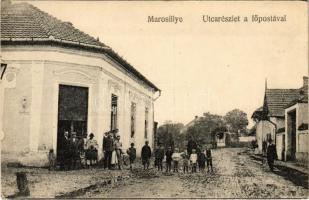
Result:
x=188 y=125
x=58 y=79
x=270 y=117
x=273 y=118
x=221 y=139
x=209 y=138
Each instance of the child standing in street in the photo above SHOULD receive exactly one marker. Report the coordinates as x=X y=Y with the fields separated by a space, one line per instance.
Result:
x=169 y=159
x=52 y=160
x=201 y=161
x=132 y=154
x=176 y=158
x=159 y=156
x=185 y=161
x=209 y=159
x=193 y=160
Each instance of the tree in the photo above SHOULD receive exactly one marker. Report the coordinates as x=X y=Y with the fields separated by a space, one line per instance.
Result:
x=169 y=135
x=237 y=120
x=205 y=129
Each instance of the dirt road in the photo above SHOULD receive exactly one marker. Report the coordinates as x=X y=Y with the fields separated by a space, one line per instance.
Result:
x=235 y=176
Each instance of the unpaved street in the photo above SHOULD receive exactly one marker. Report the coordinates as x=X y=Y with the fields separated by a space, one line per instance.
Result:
x=235 y=175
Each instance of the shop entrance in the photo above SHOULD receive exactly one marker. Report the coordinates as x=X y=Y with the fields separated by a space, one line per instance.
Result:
x=72 y=112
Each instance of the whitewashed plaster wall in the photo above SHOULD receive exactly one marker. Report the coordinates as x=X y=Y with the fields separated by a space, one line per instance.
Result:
x=40 y=70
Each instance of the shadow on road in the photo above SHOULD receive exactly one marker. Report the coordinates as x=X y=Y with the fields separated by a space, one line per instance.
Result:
x=293 y=175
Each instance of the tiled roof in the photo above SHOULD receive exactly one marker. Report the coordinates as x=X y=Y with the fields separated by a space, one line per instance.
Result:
x=278 y=99
x=302 y=96
x=22 y=23
x=191 y=123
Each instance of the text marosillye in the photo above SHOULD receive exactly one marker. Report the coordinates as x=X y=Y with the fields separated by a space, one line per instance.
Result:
x=167 y=19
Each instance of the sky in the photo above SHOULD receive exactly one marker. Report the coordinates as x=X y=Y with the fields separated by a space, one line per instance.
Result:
x=200 y=67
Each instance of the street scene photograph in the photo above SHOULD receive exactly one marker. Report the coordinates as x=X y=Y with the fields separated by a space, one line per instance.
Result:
x=154 y=99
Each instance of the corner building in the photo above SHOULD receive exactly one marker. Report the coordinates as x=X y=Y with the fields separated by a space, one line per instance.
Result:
x=59 y=78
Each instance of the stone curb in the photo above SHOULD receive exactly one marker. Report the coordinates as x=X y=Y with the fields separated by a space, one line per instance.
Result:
x=280 y=164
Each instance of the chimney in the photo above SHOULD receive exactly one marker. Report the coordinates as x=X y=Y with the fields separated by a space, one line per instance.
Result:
x=301 y=95
x=305 y=80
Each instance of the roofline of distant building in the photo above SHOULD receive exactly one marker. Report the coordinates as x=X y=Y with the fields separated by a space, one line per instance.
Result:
x=78 y=45
x=278 y=116
x=293 y=103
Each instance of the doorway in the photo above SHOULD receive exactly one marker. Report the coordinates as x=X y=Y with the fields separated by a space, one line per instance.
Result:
x=283 y=148
x=291 y=131
x=72 y=112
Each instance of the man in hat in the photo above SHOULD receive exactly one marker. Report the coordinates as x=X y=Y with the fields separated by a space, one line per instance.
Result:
x=169 y=159
x=109 y=148
x=64 y=154
x=146 y=155
x=74 y=151
x=191 y=145
x=105 y=138
x=271 y=154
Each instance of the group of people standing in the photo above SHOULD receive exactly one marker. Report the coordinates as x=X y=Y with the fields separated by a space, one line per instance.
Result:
x=112 y=150
x=78 y=152
x=174 y=159
x=75 y=152
x=192 y=158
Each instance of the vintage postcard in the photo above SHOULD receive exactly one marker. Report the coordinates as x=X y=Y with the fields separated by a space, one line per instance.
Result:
x=154 y=99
